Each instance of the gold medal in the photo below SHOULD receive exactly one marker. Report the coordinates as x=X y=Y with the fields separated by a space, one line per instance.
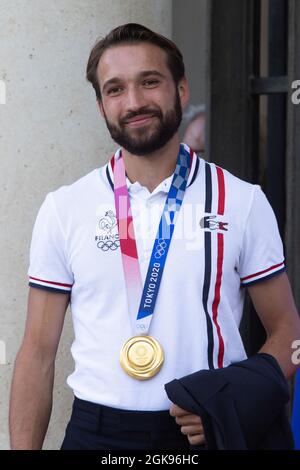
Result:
x=141 y=357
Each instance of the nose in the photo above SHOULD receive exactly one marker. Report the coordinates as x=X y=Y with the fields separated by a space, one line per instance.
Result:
x=135 y=99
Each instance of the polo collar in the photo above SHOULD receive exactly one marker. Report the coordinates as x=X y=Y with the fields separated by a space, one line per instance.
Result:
x=164 y=186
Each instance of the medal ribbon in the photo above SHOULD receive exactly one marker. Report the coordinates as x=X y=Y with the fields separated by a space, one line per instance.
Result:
x=161 y=244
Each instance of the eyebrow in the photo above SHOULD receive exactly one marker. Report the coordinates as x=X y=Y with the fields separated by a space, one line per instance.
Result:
x=145 y=74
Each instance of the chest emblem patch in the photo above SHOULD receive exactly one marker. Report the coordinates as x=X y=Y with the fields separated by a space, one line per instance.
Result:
x=107 y=237
x=211 y=223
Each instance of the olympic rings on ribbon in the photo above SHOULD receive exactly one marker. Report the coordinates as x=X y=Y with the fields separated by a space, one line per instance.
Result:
x=160 y=249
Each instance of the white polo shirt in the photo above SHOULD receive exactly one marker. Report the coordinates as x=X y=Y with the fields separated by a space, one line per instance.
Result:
x=225 y=237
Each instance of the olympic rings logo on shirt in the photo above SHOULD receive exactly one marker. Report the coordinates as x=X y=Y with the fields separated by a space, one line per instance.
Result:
x=108 y=245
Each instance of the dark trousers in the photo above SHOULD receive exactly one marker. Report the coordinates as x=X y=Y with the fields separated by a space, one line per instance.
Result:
x=97 y=427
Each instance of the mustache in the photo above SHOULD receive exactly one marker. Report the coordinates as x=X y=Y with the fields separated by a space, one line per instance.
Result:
x=140 y=112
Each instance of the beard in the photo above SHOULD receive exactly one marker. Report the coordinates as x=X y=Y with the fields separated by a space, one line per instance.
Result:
x=147 y=139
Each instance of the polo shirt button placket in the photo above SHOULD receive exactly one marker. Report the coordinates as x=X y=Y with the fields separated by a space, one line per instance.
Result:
x=147 y=241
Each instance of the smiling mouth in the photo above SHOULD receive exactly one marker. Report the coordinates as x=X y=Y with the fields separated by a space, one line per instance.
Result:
x=139 y=120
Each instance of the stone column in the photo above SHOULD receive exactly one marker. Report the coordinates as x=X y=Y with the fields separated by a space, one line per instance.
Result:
x=50 y=135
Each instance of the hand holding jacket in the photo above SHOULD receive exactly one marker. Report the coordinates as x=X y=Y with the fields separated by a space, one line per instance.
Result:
x=241 y=406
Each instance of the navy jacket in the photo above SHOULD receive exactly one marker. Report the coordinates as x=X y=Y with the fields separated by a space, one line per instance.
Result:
x=242 y=406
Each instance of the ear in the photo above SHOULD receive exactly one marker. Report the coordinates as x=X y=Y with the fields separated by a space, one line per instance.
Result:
x=184 y=92
x=100 y=106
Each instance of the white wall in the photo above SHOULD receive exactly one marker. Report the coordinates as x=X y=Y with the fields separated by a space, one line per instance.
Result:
x=50 y=135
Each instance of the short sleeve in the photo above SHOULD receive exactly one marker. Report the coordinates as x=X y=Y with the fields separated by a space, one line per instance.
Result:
x=261 y=255
x=49 y=268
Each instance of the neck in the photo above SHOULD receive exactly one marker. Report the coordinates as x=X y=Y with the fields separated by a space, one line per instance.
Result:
x=152 y=169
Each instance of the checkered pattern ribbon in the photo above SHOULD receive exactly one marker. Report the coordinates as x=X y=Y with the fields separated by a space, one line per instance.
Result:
x=144 y=304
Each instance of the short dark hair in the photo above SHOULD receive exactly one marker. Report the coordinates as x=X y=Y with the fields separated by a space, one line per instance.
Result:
x=134 y=33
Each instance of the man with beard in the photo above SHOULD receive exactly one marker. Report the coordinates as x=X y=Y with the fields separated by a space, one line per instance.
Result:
x=156 y=289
